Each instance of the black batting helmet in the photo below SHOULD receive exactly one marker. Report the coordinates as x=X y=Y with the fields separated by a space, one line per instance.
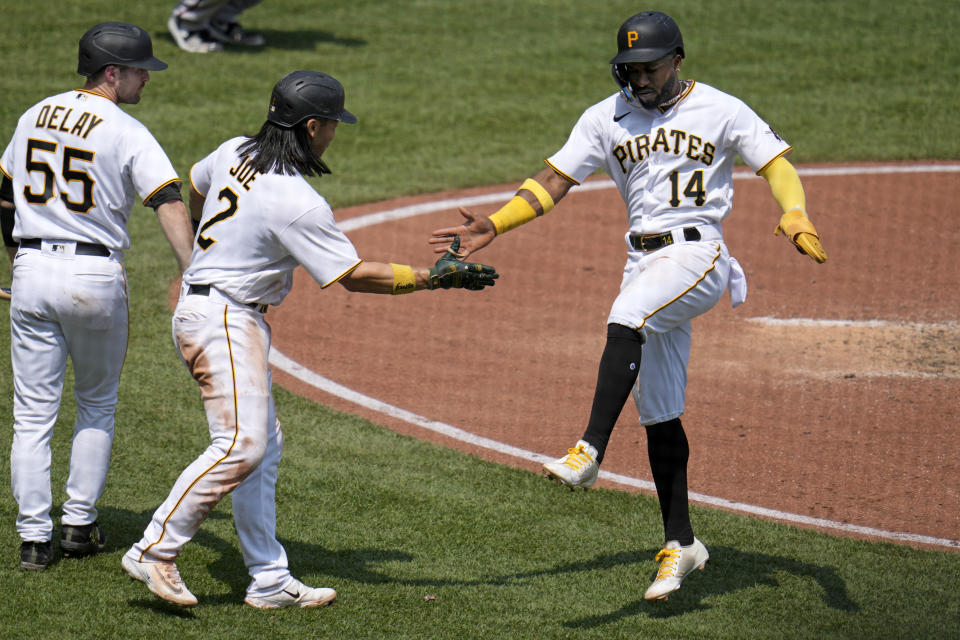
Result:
x=116 y=43
x=300 y=95
x=646 y=37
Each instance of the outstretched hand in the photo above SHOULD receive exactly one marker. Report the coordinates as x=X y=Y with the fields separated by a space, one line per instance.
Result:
x=474 y=234
x=451 y=272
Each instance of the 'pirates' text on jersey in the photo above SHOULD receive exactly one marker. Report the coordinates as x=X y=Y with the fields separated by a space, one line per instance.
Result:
x=673 y=167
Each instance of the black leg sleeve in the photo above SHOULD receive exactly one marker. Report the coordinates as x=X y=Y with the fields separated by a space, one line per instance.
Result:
x=669 y=451
x=619 y=366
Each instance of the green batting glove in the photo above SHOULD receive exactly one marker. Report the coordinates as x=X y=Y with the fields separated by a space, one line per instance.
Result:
x=450 y=272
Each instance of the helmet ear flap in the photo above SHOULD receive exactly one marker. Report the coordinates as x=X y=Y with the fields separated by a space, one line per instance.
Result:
x=620 y=75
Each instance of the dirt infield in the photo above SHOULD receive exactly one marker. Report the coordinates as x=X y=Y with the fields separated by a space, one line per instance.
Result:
x=831 y=393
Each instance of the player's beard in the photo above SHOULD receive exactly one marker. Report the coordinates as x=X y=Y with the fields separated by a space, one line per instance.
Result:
x=667 y=92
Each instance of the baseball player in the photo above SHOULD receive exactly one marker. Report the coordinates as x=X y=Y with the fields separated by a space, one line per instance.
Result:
x=204 y=26
x=669 y=145
x=260 y=220
x=73 y=169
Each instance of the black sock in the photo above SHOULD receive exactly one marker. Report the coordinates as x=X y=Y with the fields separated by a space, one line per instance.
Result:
x=669 y=451
x=619 y=366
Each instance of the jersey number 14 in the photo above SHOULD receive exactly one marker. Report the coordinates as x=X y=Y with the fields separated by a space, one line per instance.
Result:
x=694 y=188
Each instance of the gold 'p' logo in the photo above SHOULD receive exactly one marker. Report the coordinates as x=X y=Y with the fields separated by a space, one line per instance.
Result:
x=632 y=36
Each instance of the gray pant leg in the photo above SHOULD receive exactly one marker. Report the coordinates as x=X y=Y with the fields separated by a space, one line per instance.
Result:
x=231 y=10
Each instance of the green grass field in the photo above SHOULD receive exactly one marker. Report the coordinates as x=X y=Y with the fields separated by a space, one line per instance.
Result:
x=420 y=541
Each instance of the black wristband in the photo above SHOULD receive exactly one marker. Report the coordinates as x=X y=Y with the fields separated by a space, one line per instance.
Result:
x=6 y=225
x=6 y=189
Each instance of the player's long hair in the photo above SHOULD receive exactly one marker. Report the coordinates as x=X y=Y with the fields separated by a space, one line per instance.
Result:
x=276 y=149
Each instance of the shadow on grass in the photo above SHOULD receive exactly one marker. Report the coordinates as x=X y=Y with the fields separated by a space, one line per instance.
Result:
x=728 y=570
x=159 y=606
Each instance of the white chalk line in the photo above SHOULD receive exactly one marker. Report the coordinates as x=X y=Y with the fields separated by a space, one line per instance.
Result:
x=771 y=321
x=298 y=371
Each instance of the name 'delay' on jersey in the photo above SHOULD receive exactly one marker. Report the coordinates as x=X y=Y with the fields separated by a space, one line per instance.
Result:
x=675 y=141
x=61 y=118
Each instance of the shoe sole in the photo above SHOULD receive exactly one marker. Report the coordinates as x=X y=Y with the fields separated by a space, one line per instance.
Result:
x=667 y=595
x=79 y=552
x=308 y=605
x=31 y=566
x=79 y=549
x=560 y=482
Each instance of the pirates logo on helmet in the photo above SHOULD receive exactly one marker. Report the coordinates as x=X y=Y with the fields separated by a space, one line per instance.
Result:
x=644 y=37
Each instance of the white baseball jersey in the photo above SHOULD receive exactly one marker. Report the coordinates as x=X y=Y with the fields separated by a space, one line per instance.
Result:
x=294 y=225
x=673 y=168
x=60 y=192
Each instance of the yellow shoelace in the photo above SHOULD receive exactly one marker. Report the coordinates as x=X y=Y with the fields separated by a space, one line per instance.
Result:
x=577 y=457
x=670 y=559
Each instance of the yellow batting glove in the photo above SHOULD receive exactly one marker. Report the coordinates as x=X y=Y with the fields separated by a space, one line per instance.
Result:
x=797 y=227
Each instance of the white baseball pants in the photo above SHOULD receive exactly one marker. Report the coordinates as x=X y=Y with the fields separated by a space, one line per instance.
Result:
x=225 y=345
x=64 y=305
x=661 y=292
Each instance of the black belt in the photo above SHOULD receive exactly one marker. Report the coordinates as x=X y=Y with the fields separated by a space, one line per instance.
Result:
x=204 y=290
x=83 y=248
x=660 y=240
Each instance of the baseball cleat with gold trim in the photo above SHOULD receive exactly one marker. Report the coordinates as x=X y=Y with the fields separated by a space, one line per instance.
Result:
x=162 y=578
x=675 y=563
x=578 y=468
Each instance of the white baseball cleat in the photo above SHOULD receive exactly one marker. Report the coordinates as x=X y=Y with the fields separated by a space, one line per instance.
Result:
x=192 y=41
x=295 y=594
x=578 y=468
x=675 y=563
x=162 y=578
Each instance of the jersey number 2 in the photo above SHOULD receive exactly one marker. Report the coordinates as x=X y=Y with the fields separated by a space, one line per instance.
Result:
x=694 y=188
x=230 y=196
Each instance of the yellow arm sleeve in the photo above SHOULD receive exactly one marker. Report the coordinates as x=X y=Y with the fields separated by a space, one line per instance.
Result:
x=794 y=223
x=784 y=184
x=518 y=211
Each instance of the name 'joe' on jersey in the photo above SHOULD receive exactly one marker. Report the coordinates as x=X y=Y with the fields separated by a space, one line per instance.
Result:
x=258 y=227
